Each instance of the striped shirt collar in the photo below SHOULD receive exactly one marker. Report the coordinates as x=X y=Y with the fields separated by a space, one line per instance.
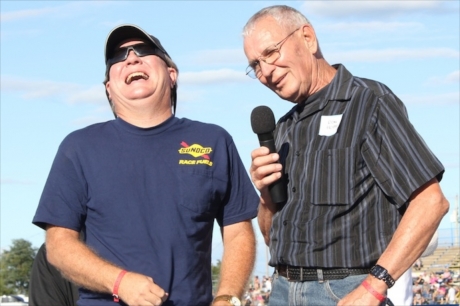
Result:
x=338 y=90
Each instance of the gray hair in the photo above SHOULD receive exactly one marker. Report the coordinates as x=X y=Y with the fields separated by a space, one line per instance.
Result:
x=286 y=16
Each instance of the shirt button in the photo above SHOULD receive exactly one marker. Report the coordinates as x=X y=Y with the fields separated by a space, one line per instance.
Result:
x=294 y=189
x=285 y=222
x=297 y=153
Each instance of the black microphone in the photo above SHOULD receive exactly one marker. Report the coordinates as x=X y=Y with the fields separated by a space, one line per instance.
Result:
x=263 y=124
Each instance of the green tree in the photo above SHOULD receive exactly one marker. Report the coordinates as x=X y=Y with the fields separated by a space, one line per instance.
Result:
x=215 y=272
x=16 y=266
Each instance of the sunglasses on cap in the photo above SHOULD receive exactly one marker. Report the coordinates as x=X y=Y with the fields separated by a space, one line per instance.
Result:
x=121 y=54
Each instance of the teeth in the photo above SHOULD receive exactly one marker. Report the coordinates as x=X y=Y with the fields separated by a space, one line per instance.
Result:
x=136 y=76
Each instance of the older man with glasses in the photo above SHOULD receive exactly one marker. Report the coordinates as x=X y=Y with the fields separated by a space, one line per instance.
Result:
x=146 y=188
x=363 y=188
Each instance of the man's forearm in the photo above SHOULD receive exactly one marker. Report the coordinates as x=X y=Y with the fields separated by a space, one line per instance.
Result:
x=238 y=258
x=421 y=219
x=77 y=262
x=265 y=215
x=414 y=233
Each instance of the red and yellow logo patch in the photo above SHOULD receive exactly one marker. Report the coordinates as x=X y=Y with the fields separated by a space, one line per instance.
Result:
x=196 y=151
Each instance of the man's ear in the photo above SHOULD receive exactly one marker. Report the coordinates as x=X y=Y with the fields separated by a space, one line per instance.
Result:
x=172 y=76
x=107 y=89
x=309 y=36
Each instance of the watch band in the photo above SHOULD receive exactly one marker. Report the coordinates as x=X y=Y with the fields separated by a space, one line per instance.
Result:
x=233 y=300
x=381 y=273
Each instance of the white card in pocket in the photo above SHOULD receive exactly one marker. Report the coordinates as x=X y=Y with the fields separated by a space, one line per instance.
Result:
x=329 y=125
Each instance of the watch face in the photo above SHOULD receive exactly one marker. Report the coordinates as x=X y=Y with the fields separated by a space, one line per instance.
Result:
x=382 y=274
x=235 y=301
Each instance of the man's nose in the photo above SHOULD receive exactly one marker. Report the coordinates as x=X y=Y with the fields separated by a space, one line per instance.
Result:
x=266 y=69
x=132 y=57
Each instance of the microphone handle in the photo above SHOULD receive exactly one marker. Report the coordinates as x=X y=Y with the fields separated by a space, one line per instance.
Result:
x=278 y=188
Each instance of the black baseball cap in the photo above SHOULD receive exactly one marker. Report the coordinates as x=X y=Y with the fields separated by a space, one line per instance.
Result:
x=128 y=31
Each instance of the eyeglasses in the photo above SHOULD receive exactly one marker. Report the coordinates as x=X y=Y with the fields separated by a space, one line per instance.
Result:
x=269 y=56
x=121 y=54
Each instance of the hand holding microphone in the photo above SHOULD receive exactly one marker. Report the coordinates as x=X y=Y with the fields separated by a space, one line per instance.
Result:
x=263 y=124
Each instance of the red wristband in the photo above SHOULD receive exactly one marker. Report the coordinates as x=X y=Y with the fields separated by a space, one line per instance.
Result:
x=116 y=298
x=371 y=290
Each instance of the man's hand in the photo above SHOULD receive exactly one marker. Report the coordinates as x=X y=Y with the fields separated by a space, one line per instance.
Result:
x=361 y=296
x=265 y=168
x=137 y=289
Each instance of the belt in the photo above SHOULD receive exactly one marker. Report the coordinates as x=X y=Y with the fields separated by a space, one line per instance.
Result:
x=300 y=274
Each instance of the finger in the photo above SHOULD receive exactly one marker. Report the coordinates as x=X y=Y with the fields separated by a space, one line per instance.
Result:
x=265 y=181
x=263 y=171
x=259 y=175
x=264 y=161
x=261 y=151
x=159 y=293
x=154 y=300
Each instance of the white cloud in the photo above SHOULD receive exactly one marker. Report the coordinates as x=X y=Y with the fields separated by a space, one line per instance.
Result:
x=373 y=26
x=15 y=182
x=91 y=95
x=68 y=92
x=438 y=99
x=78 y=94
x=451 y=78
x=59 y=11
x=391 y=54
x=212 y=77
x=219 y=57
x=24 y=14
x=370 y=9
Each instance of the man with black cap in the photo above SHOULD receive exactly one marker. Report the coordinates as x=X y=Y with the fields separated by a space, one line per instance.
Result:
x=145 y=189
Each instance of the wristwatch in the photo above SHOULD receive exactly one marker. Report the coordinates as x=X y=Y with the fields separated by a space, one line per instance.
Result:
x=381 y=273
x=233 y=300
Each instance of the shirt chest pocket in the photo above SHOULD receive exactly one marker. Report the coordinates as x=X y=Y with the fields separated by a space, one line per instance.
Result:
x=196 y=190
x=332 y=177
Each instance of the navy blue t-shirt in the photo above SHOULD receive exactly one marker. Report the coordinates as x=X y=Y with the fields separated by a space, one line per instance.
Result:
x=147 y=199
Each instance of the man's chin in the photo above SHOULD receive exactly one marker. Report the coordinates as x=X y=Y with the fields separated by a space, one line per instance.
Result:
x=286 y=96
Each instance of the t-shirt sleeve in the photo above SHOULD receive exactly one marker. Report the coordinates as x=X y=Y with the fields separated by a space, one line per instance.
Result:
x=242 y=200
x=64 y=197
x=398 y=157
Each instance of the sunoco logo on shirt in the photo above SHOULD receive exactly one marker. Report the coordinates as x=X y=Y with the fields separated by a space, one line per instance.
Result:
x=196 y=151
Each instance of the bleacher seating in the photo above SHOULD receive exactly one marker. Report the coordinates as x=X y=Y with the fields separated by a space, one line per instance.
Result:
x=443 y=257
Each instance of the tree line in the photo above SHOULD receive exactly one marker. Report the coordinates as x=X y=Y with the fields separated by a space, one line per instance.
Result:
x=16 y=267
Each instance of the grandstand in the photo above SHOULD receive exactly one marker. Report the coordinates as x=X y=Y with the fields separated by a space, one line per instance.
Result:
x=446 y=255
x=443 y=257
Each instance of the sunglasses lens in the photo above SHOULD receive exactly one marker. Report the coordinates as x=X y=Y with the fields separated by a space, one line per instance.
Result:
x=121 y=54
x=118 y=55
x=144 y=50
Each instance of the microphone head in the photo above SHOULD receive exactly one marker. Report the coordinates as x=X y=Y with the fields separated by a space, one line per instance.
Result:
x=262 y=120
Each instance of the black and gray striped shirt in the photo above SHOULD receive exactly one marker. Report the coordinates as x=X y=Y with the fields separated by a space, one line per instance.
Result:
x=352 y=159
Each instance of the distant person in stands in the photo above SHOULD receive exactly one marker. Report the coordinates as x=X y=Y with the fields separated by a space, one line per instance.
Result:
x=433 y=278
x=451 y=294
x=446 y=276
x=441 y=293
x=418 y=264
x=47 y=286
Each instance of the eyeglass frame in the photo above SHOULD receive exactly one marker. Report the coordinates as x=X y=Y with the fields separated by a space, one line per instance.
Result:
x=251 y=69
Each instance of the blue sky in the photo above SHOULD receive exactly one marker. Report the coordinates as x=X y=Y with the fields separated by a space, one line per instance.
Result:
x=52 y=70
